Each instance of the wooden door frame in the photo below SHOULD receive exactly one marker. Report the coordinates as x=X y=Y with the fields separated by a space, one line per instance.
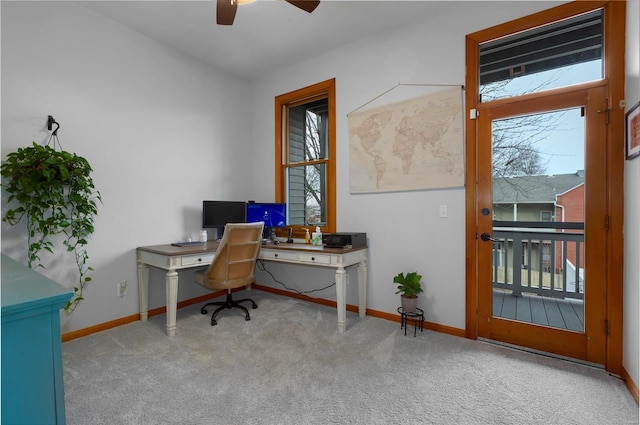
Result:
x=614 y=47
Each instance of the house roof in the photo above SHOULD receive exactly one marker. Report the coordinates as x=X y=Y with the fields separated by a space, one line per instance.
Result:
x=534 y=189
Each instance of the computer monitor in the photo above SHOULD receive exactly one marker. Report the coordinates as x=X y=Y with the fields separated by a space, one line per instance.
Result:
x=273 y=215
x=216 y=214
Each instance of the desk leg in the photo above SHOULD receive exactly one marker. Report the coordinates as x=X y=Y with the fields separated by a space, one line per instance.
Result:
x=362 y=288
x=143 y=291
x=172 y=301
x=341 y=295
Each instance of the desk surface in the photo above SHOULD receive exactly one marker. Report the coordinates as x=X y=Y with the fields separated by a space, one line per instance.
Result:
x=168 y=249
x=209 y=246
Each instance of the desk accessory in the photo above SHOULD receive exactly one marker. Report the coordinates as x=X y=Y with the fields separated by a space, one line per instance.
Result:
x=316 y=237
x=344 y=240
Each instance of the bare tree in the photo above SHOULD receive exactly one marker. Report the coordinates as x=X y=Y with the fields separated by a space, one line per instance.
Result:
x=515 y=144
x=516 y=140
x=314 y=149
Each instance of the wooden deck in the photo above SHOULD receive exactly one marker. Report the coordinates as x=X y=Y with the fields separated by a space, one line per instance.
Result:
x=547 y=311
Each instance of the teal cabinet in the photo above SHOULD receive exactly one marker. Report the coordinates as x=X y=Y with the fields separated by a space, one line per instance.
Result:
x=32 y=380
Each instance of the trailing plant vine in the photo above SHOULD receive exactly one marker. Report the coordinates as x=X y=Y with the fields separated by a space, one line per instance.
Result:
x=56 y=196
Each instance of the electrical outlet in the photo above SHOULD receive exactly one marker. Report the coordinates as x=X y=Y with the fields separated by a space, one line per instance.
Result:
x=122 y=288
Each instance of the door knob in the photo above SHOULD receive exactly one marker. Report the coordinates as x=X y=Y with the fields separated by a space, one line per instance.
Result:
x=487 y=237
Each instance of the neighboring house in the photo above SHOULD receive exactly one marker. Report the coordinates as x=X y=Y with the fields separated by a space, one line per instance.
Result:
x=570 y=208
x=539 y=198
x=542 y=198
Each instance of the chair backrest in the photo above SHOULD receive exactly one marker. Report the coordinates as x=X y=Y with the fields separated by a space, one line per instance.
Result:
x=234 y=263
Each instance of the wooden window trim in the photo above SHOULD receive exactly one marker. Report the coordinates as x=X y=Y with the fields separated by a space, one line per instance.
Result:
x=294 y=98
x=614 y=48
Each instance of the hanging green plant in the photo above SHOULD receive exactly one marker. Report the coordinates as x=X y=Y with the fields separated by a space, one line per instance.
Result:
x=56 y=196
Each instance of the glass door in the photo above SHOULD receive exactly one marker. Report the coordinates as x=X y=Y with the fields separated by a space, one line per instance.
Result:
x=541 y=267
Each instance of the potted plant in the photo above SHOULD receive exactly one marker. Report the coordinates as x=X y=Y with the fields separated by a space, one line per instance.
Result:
x=409 y=287
x=54 y=192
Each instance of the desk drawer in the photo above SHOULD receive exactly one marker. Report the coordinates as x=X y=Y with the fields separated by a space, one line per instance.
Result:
x=315 y=258
x=279 y=255
x=190 y=260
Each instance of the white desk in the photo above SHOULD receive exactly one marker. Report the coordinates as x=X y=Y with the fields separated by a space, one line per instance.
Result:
x=172 y=258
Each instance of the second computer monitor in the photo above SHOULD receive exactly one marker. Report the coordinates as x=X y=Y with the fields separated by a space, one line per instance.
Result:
x=273 y=215
x=216 y=214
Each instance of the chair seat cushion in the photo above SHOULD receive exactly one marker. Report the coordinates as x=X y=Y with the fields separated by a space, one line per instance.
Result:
x=200 y=278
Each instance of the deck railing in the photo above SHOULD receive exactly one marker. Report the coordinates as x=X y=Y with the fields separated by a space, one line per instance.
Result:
x=544 y=258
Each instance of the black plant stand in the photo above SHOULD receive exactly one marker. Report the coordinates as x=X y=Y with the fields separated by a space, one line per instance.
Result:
x=417 y=317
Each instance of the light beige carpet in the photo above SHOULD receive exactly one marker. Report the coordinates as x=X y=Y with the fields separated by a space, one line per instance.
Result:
x=289 y=365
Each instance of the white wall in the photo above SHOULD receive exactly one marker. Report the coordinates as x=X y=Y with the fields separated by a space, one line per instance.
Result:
x=631 y=327
x=400 y=238
x=155 y=125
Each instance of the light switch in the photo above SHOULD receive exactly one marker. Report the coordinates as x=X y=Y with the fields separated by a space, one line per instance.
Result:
x=443 y=211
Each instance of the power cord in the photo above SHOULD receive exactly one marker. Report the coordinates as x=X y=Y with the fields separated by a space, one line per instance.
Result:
x=263 y=267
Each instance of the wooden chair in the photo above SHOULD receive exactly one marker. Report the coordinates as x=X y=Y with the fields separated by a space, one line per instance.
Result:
x=233 y=266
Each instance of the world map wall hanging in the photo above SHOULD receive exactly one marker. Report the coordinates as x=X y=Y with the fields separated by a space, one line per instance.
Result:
x=413 y=144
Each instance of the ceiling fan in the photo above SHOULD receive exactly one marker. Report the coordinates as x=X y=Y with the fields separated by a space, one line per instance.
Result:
x=226 y=9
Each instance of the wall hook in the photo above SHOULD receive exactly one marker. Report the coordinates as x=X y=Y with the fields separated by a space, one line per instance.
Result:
x=54 y=134
x=50 y=122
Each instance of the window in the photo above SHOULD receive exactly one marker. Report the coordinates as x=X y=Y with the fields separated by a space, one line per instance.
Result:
x=561 y=53
x=545 y=216
x=546 y=257
x=305 y=156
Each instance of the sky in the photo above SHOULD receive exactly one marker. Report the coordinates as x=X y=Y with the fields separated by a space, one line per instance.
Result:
x=562 y=149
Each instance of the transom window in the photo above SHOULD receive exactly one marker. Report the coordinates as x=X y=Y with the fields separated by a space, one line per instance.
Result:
x=305 y=156
x=555 y=55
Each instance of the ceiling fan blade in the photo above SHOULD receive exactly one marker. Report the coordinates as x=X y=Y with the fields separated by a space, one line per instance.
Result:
x=226 y=11
x=306 y=5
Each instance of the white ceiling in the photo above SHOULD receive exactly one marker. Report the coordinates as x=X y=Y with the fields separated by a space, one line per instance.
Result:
x=267 y=35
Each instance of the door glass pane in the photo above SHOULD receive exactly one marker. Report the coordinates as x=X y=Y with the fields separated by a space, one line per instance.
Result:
x=306 y=195
x=538 y=212
x=555 y=55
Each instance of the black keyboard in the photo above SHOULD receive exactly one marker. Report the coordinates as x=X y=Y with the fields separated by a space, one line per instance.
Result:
x=194 y=243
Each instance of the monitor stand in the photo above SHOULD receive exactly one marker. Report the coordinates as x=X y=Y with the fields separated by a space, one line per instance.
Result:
x=269 y=236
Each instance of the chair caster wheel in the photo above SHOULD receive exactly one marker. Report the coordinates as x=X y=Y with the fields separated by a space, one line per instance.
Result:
x=213 y=322
x=254 y=306
x=203 y=311
x=247 y=318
